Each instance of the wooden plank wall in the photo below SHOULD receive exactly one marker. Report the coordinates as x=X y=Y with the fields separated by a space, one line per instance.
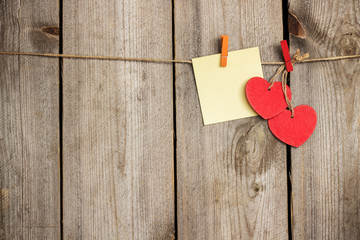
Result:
x=118 y=121
x=122 y=177
x=231 y=176
x=29 y=121
x=326 y=169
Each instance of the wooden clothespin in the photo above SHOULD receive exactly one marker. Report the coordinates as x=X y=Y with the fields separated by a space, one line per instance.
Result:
x=224 y=50
x=285 y=50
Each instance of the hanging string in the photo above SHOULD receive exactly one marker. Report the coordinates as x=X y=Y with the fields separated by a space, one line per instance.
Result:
x=297 y=58
x=55 y=55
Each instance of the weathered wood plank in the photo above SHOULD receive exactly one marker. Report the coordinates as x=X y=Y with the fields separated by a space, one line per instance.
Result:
x=326 y=169
x=231 y=176
x=29 y=122
x=118 y=121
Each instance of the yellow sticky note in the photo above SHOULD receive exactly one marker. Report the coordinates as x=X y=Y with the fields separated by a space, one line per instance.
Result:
x=222 y=89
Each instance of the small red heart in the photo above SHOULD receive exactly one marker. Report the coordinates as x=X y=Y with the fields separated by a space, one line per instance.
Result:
x=294 y=131
x=267 y=103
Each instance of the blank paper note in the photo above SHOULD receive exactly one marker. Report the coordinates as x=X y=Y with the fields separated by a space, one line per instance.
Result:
x=222 y=89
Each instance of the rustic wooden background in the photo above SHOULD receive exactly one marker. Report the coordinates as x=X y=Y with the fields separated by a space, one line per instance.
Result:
x=94 y=149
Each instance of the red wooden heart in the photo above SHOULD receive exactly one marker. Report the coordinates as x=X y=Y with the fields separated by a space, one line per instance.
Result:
x=267 y=103
x=294 y=131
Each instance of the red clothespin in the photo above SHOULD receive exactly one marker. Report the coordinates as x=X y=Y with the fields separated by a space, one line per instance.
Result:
x=285 y=50
x=224 y=50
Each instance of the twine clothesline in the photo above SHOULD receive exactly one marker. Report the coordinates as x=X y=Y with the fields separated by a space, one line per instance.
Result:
x=282 y=69
x=56 y=55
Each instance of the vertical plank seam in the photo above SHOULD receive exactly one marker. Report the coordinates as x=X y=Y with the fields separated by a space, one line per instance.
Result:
x=20 y=113
x=288 y=148
x=61 y=118
x=174 y=122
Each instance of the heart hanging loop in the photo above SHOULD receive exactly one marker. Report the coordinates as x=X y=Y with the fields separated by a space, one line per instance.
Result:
x=272 y=80
x=287 y=100
x=282 y=69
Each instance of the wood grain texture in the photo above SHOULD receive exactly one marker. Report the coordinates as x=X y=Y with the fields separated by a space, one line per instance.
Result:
x=29 y=122
x=118 y=157
x=231 y=176
x=326 y=169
